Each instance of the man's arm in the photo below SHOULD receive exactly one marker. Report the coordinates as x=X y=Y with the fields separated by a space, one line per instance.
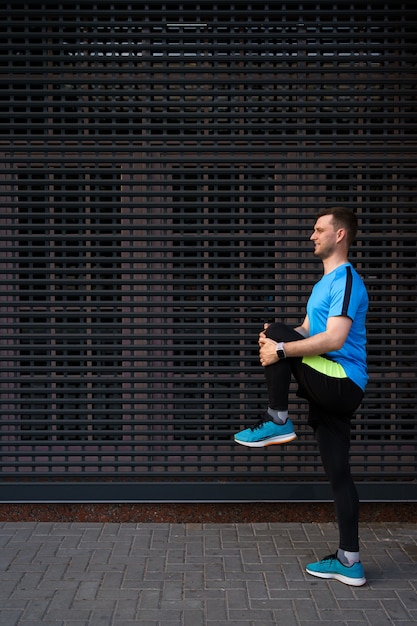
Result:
x=331 y=339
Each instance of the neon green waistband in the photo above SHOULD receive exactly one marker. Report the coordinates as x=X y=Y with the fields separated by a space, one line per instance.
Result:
x=325 y=366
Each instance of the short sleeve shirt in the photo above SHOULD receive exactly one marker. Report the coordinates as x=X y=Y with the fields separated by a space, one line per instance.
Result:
x=343 y=293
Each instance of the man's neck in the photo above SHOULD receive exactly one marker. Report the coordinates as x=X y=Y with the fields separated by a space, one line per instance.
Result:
x=333 y=262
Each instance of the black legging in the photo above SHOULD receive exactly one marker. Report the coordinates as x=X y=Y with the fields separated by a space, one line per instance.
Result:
x=334 y=452
x=332 y=403
x=332 y=400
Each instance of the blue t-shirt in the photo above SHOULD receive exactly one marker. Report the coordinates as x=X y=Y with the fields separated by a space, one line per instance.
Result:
x=342 y=292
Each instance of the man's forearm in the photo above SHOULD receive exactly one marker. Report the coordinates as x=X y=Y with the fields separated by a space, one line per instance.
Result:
x=330 y=340
x=309 y=346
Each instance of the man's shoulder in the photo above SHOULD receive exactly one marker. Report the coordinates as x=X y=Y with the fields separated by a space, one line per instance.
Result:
x=348 y=270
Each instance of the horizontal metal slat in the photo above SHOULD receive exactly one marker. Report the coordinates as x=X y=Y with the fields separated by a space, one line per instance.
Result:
x=231 y=135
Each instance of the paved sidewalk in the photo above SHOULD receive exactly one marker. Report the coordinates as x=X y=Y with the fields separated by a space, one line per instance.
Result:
x=160 y=574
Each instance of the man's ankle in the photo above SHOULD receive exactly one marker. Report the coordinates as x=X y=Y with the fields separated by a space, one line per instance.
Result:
x=348 y=558
x=279 y=417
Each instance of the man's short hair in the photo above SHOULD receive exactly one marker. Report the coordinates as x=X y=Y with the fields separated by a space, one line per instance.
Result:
x=342 y=218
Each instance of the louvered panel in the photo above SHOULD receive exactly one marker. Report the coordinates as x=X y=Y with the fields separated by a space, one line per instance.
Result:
x=162 y=167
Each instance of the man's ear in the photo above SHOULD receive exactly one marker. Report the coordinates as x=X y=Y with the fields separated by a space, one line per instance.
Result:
x=341 y=234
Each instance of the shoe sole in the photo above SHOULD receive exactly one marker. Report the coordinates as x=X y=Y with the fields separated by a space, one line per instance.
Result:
x=270 y=442
x=353 y=582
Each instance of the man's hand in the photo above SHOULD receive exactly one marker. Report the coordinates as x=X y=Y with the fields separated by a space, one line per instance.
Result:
x=267 y=350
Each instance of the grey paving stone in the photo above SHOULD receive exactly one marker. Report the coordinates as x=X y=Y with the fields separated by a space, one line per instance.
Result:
x=83 y=574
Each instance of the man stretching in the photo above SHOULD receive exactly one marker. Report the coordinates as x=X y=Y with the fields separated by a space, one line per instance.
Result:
x=327 y=357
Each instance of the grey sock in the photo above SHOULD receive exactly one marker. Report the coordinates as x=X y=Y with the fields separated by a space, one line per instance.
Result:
x=279 y=417
x=348 y=558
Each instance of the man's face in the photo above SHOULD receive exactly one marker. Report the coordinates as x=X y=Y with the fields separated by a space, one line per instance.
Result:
x=324 y=237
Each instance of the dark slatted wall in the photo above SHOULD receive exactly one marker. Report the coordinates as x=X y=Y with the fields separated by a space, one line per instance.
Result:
x=162 y=164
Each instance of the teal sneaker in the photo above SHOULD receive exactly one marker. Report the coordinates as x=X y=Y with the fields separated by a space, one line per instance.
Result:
x=266 y=433
x=331 y=567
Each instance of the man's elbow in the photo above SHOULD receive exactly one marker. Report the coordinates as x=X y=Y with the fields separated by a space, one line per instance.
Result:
x=337 y=344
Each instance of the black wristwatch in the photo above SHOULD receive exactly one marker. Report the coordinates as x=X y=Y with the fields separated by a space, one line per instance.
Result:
x=280 y=351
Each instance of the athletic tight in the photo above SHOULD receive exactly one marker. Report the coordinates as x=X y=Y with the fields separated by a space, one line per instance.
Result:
x=332 y=403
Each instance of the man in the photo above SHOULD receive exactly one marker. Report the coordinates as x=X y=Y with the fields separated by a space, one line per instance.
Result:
x=327 y=357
